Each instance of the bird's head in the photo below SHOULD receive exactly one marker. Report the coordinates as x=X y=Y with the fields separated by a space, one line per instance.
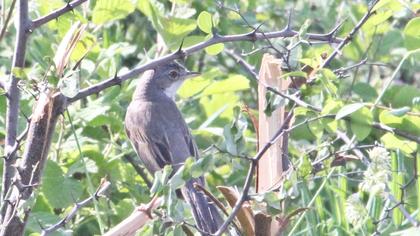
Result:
x=170 y=77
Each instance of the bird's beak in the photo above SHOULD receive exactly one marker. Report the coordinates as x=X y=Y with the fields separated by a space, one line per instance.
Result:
x=191 y=74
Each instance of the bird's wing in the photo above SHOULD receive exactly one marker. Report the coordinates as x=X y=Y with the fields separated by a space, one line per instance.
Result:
x=150 y=148
x=160 y=138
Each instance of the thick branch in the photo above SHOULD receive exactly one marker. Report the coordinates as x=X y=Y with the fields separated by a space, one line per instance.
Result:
x=98 y=193
x=55 y=14
x=252 y=36
x=29 y=170
x=13 y=96
x=136 y=220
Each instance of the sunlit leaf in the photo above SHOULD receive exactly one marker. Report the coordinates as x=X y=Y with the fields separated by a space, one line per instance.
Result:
x=361 y=123
x=204 y=22
x=412 y=34
x=348 y=109
x=215 y=49
x=108 y=10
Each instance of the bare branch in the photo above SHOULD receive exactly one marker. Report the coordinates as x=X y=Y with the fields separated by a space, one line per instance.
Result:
x=6 y=22
x=12 y=112
x=55 y=14
x=252 y=36
x=250 y=70
x=251 y=172
x=136 y=220
x=350 y=36
x=396 y=131
x=98 y=193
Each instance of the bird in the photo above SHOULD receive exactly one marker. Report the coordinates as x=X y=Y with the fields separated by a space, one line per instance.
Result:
x=160 y=135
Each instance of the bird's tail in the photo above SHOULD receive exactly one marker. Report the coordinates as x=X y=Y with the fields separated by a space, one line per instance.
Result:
x=204 y=211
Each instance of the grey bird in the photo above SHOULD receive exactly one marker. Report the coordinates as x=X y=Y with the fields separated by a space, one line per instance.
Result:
x=161 y=137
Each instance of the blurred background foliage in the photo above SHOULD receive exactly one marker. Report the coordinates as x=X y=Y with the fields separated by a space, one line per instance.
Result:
x=90 y=141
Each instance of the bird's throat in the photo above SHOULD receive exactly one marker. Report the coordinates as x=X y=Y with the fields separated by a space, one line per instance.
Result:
x=171 y=90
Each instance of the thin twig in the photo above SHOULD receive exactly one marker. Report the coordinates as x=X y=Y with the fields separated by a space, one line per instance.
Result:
x=250 y=70
x=396 y=131
x=350 y=36
x=251 y=172
x=98 y=193
x=55 y=14
x=6 y=22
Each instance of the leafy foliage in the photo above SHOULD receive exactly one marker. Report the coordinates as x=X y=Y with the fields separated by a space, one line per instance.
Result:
x=320 y=196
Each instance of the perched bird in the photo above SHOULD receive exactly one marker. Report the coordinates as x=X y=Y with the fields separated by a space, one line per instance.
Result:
x=161 y=137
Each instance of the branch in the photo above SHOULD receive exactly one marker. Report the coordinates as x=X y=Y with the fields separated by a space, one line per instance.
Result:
x=12 y=114
x=55 y=14
x=251 y=172
x=251 y=36
x=98 y=193
x=398 y=132
x=350 y=36
x=136 y=220
x=250 y=70
x=6 y=22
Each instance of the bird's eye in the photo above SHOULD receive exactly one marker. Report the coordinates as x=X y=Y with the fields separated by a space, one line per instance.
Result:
x=173 y=74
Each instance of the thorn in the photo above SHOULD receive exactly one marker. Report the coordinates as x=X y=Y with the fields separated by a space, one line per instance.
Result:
x=181 y=52
x=213 y=29
x=289 y=19
x=336 y=28
x=40 y=225
x=253 y=33
x=119 y=82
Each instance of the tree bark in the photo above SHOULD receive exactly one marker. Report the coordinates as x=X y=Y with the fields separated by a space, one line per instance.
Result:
x=29 y=172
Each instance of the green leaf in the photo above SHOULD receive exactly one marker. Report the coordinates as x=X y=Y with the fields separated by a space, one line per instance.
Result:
x=215 y=49
x=175 y=29
x=294 y=74
x=330 y=107
x=361 y=123
x=327 y=77
x=391 y=141
x=365 y=91
x=213 y=103
x=316 y=127
x=20 y=72
x=348 y=109
x=234 y=82
x=412 y=34
x=381 y=4
x=196 y=85
x=69 y=85
x=108 y=10
x=204 y=22
x=59 y=190
x=386 y=117
x=273 y=101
